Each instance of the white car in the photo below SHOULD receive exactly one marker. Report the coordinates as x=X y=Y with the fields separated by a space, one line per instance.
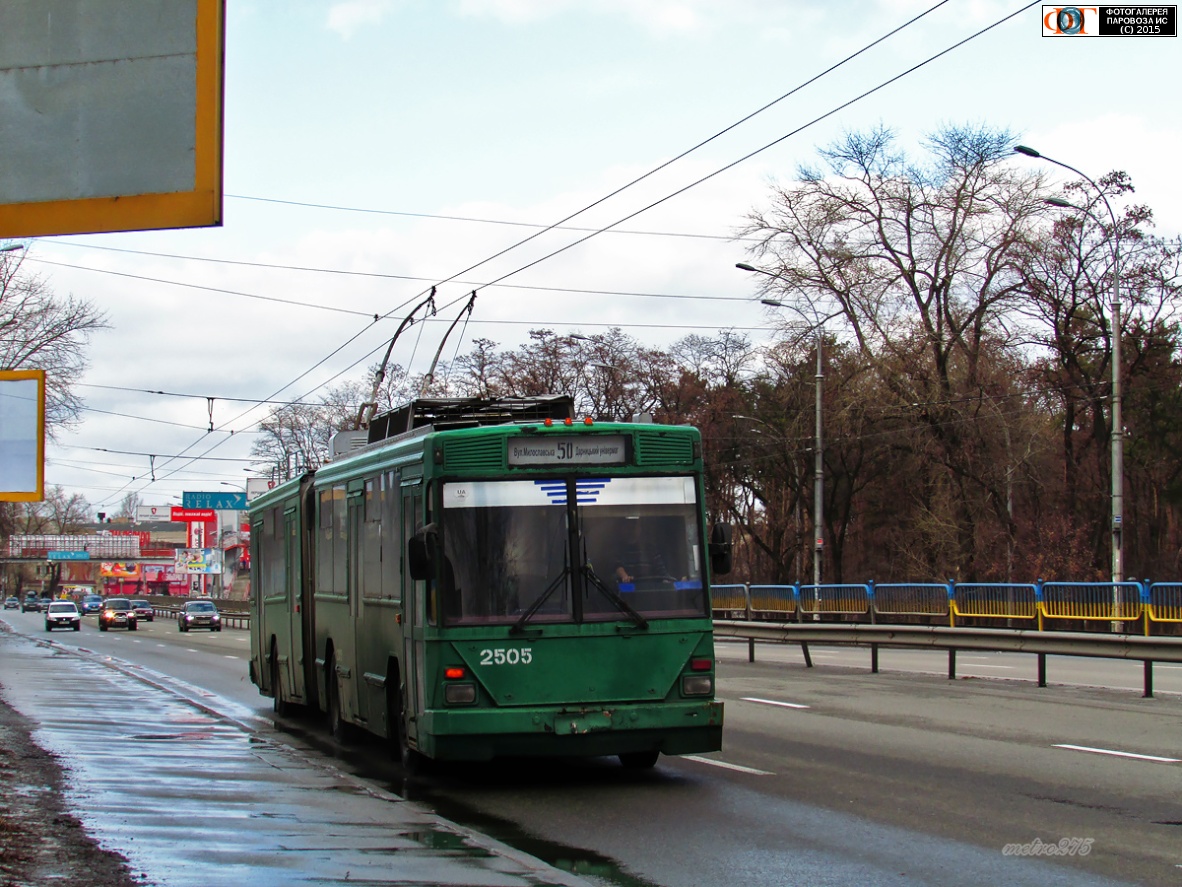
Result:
x=62 y=614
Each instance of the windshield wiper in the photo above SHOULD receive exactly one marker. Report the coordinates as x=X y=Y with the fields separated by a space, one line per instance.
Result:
x=621 y=604
x=537 y=605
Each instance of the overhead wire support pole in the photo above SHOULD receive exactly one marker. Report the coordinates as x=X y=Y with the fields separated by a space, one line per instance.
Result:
x=1117 y=419
x=368 y=408
x=817 y=326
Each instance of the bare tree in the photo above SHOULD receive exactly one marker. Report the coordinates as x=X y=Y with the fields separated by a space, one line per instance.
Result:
x=127 y=508
x=921 y=262
x=297 y=437
x=41 y=330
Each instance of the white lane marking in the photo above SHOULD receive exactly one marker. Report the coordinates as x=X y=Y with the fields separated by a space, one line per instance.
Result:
x=231 y=657
x=736 y=767
x=1120 y=754
x=773 y=702
x=989 y=666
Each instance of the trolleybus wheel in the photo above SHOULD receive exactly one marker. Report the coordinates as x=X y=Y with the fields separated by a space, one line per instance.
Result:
x=639 y=760
x=337 y=725
x=281 y=706
x=412 y=762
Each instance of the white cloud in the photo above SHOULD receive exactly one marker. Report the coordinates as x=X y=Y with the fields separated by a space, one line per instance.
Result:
x=1137 y=144
x=346 y=18
x=658 y=16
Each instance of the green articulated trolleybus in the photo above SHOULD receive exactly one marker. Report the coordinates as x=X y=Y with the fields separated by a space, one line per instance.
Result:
x=487 y=577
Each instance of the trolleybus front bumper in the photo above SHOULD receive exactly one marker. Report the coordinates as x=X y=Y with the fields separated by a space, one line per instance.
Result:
x=477 y=734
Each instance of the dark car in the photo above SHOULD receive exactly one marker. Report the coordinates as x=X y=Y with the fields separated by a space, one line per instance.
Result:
x=117 y=612
x=199 y=614
x=143 y=610
x=91 y=604
x=11 y=603
x=62 y=614
x=32 y=603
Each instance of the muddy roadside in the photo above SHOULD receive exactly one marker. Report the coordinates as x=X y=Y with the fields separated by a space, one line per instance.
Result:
x=40 y=842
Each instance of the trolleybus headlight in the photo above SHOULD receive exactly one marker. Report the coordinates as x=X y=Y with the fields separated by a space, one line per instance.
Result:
x=697 y=684
x=459 y=694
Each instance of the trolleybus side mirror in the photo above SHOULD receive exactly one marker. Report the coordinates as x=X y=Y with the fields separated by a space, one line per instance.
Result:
x=418 y=554
x=720 y=549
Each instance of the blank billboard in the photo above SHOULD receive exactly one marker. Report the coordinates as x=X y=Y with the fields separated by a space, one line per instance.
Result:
x=22 y=435
x=110 y=115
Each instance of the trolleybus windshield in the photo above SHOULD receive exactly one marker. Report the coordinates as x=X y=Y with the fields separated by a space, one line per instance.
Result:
x=517 y=547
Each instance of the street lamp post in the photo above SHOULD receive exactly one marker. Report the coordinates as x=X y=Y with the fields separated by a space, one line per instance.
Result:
x=818 y=447
x=1117 y=424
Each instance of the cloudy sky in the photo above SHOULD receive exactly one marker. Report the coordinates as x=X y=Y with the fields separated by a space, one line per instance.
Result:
x=375 y=147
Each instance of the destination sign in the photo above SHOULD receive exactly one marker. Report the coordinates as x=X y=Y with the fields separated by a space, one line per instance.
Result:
x=605 y=449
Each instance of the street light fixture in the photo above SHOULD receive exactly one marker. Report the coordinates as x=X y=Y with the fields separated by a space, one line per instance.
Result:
x=1117 y=429
x=819 y=447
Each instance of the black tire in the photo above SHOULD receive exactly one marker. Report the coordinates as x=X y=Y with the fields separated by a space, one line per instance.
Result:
x=413 y=763
x=102 y=627
x=278 y=703
x=131 y=626
x=48 y=627
x=77 y=626
x=181 y=626
x=338 y=727
x=639 y=760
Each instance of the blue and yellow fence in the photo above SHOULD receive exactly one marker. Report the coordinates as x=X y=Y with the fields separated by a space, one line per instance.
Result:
x=1083 y=604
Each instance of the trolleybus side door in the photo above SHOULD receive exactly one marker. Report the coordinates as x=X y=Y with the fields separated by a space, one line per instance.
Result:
x=412 y=611
x=354 y=697
x=293 y=632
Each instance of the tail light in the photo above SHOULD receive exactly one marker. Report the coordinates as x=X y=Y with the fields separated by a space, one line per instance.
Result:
x=700 y=681
x=458 y=693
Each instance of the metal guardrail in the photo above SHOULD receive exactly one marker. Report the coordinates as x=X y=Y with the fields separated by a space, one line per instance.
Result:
x=956 y=603
x=1146 y=650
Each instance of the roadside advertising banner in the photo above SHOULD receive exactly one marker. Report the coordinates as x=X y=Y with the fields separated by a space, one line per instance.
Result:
x=198 y=560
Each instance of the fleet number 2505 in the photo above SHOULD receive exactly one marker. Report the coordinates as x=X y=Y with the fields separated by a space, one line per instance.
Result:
x=506 y=656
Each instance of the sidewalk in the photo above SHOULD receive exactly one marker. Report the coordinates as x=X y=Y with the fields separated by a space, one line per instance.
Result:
x=191 y=799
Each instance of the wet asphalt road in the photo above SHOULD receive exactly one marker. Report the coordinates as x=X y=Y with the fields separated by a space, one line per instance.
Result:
x=856 y=792
x=195 y=798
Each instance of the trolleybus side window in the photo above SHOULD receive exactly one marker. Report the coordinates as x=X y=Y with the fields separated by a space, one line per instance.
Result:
x=391 y=536
x=324 y=538
x=275 y=582
x=340 y=547
x=371 y=540
x=331 y=542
